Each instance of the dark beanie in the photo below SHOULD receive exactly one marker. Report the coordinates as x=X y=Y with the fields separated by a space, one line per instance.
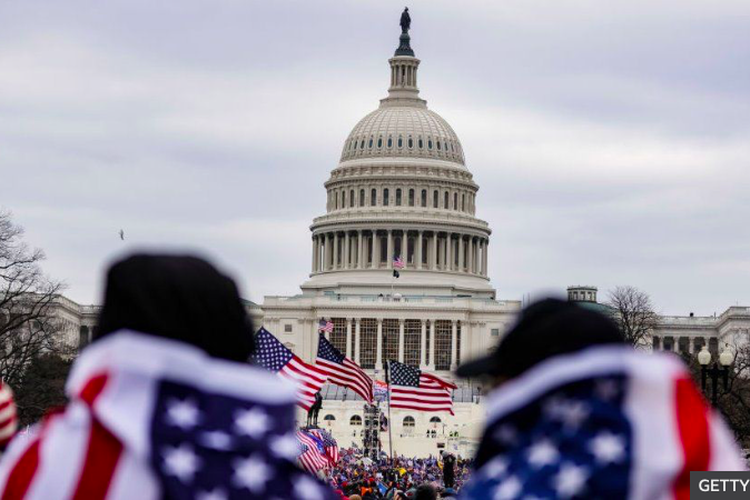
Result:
x=177 y=297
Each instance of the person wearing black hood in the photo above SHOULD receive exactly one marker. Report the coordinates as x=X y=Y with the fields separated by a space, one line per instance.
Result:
x=575 y=412
x=163 y=403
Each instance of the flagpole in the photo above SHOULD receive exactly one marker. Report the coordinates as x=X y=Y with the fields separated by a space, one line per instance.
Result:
x=390 y=420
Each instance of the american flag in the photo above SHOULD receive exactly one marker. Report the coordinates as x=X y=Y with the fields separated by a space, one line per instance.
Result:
x=325 y=326
x=398 y=263
x=313 y=456
x=8 y=417
x=342 y=370
x=608 y=422
x=152 y=418
x=275 y=357
x=413 y=389
x=329 y=443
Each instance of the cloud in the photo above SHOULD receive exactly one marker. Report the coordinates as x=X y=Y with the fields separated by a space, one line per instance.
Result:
x=610 y=141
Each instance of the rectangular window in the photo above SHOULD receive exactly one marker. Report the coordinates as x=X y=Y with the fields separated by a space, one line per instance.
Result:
x=442 y=345
x=412 y=341
x=338 y=335
x=287 y=328
x=390 y=340
x=368 y=332
x=495 y=332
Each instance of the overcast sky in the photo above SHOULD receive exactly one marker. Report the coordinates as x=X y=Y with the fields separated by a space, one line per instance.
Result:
x=610 y=140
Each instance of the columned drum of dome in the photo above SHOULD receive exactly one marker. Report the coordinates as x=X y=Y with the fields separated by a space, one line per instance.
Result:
x=401 y=189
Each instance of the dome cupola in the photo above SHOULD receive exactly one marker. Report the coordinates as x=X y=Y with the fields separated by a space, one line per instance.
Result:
x=401 y=195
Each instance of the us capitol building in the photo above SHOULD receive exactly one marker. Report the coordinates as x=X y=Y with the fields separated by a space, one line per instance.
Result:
x=402 y=188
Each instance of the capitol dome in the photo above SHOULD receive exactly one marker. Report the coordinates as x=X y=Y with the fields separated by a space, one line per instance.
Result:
x=403 y=131
x=401 y=199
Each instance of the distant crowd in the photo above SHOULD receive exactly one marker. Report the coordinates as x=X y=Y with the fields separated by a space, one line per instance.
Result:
x=400 y=477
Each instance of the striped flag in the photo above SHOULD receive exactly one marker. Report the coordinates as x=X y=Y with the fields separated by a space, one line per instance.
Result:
x=398 y=263
x=605 y=422
x=313 y=455
x=152 y=418
x=8 y=417
x=275 y=357
x=329 y=443
x=413 y=389
x=325 y=326
x=342 y=370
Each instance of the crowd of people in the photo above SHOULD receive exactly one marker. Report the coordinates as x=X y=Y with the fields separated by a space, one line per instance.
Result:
x=398 y=477
x=164 y=405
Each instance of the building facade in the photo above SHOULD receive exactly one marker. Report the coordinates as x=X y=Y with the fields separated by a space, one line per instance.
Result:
x=402 y=190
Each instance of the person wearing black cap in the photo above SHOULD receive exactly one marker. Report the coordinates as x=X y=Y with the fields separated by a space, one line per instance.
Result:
x=163 y=403
x=575 y=412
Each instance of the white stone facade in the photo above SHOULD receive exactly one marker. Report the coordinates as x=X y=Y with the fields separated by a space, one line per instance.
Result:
x=402 y=189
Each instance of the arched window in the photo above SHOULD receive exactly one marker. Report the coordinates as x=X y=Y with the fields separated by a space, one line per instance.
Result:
x=329 y=417
x=390 y=141
x=411 y=143
x=355 y=145
x=435 y=199
x=373 y=197
x=336 y=201
x=343 y=199
x=438 y=145
x=351 y=198
x=420 y=143
x=355 y=420
x=400 y=142
x=455 y=201
x=445 y=200
x=435 y=420
x=362 y=144
x=408 y=421
x=369 y=145
x=424 y=197
x=385 y=197
x=429 y=143
x=463 y=202
x=411 y=197
x=380 y=142
x=398 y=197
x=361 y=197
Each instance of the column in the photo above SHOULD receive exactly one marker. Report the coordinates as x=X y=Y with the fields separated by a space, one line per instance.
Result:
x=401 y=341
x=405 y=247
x=448 y=252
x=484 y=258
x=470 y=263
x=357 y=340
x=335 y=251
x=454 y=344
x=379 y=348
x=389 y=257
x=433 y=264
x=347 y=250
x=460 y=242
x=431 y=364
x=423 y=346
x=360 y=248
x=373 y=250
x=418 y=256
x=314 y=251
x=348 y=338
x=324 y=251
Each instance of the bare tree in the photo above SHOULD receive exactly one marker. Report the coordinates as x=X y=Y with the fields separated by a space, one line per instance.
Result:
x=27 y=326
x=634 y=313
x=733 y=401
